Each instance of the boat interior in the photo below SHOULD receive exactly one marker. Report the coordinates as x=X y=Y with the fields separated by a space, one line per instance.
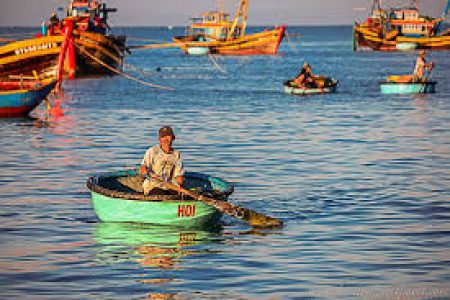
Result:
x=129 y=186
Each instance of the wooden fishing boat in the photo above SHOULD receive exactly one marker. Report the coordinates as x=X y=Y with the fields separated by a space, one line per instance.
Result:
x=118 y=197
x=401 y=29
x=326 y=85
x=214 y=33
x=18 y=98
x=79 y=44
x=390 y=87
x=88 y=48
x=36 y=54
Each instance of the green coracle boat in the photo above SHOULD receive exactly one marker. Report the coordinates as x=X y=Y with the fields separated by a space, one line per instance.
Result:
x=118 y=197
x=388 y=87
x=405 y=84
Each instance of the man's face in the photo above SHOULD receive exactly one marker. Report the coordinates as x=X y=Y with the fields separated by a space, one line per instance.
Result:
x=166 y=141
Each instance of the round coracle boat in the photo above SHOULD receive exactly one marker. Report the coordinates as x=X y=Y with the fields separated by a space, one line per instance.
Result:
x=324 y=85
x=118 y=197
x=404 y=84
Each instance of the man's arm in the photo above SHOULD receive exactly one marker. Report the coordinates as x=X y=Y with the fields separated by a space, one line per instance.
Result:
x=146 y=162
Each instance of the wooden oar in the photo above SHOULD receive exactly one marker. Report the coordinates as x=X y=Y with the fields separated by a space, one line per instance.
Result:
x=251 y=217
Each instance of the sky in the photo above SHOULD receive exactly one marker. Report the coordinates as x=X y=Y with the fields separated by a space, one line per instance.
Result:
x=177 y=12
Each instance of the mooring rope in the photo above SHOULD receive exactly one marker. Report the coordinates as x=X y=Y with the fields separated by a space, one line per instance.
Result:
x=118 y=71
x=145 y=39
x=6 y=40
x=216 y=64
x=289 y=41
x=142 y=71
x=155 y=46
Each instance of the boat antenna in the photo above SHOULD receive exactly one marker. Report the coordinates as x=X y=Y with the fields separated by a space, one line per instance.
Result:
x=446 y=9
x=241 y=12
x=220 y=6
x=376 y=4
x=444 y=16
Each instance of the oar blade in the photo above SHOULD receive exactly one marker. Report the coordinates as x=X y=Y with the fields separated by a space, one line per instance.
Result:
x=259 y=220
x=253 y=218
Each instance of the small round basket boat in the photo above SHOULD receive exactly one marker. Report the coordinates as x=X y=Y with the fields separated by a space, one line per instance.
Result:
x=118 y=197
x=390 y=87
x=329 y=85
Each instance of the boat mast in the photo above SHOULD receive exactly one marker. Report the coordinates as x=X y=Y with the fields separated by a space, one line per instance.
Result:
x=220 y=6
x=444 y=16
x=241 y=12
x=376 y=4
x=446 y=9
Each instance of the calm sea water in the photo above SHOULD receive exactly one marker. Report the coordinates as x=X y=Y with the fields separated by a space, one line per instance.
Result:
x=360 y=179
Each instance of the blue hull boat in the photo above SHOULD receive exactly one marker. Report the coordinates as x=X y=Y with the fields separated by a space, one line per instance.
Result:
x=18 y=98
x=408 y=87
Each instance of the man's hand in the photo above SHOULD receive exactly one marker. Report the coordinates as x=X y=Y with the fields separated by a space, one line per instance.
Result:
x=180 y=180
x=143 y=171
x=154 y=176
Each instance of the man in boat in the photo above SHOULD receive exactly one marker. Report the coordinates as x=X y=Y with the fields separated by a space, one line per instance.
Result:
x=306 y=78
x=162 y=163
x=54 y=20
x=421 y=65
x=54 y=24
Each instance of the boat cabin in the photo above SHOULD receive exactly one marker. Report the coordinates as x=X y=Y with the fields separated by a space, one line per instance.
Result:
x=82 y=8
x=404 y=21
x=89 y=15
x=408 y=22
x=213 y=26
x=405 y=14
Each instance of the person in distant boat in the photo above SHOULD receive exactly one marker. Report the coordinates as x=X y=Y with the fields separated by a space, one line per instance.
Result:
x=54 y=20
x=162 y=162
x=53 y=24
x=305 y=78
x=421 y=65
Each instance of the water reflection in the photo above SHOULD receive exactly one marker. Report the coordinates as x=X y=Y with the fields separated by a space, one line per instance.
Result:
x=149 y=245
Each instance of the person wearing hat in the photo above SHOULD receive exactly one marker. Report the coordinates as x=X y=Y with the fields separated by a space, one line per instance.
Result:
x=421 y=65
x=162 y=163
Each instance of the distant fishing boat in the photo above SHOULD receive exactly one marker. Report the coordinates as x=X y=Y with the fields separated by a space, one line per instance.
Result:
x=327 y=85
x=117 y=198
x=20 y=97
x=214 y=33
x=79 y=45
x=401 y=29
